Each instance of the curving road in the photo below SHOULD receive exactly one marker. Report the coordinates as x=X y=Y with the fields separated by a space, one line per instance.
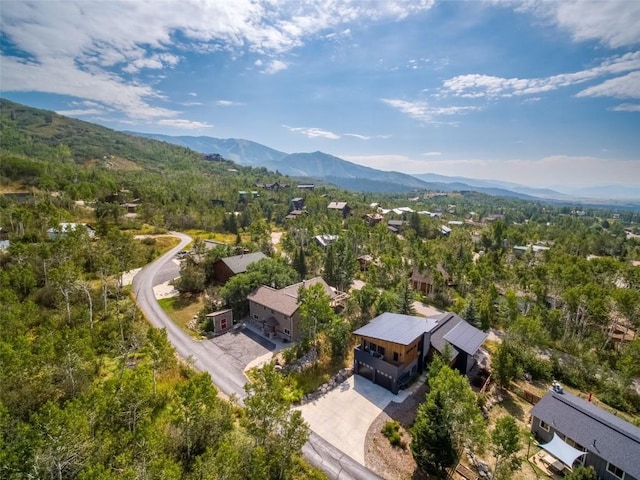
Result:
x=206 y=356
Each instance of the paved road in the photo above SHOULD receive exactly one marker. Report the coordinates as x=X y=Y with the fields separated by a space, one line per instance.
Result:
x=206 y=356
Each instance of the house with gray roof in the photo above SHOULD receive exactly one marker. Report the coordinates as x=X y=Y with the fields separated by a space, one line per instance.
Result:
x=276 y=311
x=394 y=347
x=225 y=268
x=574 y=431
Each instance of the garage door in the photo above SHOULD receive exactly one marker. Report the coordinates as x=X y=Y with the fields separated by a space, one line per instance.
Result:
x=384 y=380
x=365 y=371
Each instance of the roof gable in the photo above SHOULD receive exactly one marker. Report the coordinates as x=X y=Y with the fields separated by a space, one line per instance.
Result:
x=285 y=300
x=465 y=337
x=598 y=431
x=337 y=205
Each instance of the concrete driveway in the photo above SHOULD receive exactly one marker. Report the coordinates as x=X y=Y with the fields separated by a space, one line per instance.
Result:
x=343 y=416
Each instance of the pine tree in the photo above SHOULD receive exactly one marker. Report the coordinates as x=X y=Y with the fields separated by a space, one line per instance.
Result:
x=432 y=445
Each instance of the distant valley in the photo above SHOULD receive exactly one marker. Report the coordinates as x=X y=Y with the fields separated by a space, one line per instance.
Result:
x=348 y=175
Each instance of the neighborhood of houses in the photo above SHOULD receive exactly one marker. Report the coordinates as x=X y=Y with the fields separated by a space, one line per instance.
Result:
x=394 y=349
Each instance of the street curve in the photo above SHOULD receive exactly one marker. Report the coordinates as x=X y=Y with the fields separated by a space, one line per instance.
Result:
x=208 y=357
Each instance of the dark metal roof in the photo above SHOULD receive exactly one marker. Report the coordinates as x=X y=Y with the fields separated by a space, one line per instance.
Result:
x=396 y=328
x=445 y=323
x=239 y=263
x=466 y=337
x=598 y=431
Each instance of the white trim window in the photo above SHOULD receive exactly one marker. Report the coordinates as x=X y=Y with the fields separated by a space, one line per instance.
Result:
x=286 y=331
x=615 y=471
x=544 y=426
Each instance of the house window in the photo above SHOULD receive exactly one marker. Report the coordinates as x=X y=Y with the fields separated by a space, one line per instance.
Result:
x=255 y=317
x=286 y=331
x=372 y=346
x=395 y=356
x=544 y=426
x=381 y=351
x=271 y=310
x=223 y=324
x=618 y=472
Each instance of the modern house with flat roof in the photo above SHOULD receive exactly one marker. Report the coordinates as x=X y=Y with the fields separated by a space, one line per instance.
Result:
x=574 y=431
x=394 y=347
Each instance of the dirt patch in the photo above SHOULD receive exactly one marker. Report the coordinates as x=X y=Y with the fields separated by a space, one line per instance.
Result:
x=393 y=463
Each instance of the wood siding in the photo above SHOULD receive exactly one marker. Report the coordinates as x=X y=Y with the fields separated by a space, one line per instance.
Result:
x=407 y=354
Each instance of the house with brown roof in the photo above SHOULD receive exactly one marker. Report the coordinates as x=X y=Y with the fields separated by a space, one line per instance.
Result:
x=340 y=207
x=372 y=219
x=277 y=311
x=294 y=214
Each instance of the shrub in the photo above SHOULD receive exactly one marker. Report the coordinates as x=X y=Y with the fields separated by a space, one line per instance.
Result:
x=391 y=430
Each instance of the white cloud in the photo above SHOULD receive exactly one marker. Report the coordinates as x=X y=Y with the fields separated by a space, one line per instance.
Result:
x=627 y=86
x=90 y=50
x=432 y=154
x=313 y=132
x=478 y=85
x=357 y=135
x=228 y=103
x=183 y=124
x=420 y=109
x=615 y=23
x=80 y=112
x=193 y=94
x=67 y=79
x=627 y=107
x=275 y=66
x=155 y=61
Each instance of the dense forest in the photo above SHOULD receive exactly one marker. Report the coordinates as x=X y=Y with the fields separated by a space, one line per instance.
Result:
x=89 y=390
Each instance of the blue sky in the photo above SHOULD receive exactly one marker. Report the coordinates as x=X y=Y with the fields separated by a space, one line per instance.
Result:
x=538 y=93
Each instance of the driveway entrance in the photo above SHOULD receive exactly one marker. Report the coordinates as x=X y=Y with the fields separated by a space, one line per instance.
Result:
x=342 y=416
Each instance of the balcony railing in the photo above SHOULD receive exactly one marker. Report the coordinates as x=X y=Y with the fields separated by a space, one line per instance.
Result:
x=376 y=360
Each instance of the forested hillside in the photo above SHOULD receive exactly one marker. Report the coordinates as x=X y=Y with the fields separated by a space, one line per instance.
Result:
x=89 y=390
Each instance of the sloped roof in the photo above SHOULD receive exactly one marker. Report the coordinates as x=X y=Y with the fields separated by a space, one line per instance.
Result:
x=445 y=323
x=396 y=328
x=465 y=337
x=239 y=263
x=285 y=300
x=598 y=431
x=325 y=239
x=337 y=205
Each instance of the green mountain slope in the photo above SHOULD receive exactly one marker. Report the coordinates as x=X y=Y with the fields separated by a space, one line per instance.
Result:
x=42 y=133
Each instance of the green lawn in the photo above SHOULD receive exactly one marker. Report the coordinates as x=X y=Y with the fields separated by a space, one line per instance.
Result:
x=182 y=309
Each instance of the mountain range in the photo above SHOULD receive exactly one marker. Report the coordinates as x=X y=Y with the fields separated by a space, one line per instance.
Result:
x=348 y=175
